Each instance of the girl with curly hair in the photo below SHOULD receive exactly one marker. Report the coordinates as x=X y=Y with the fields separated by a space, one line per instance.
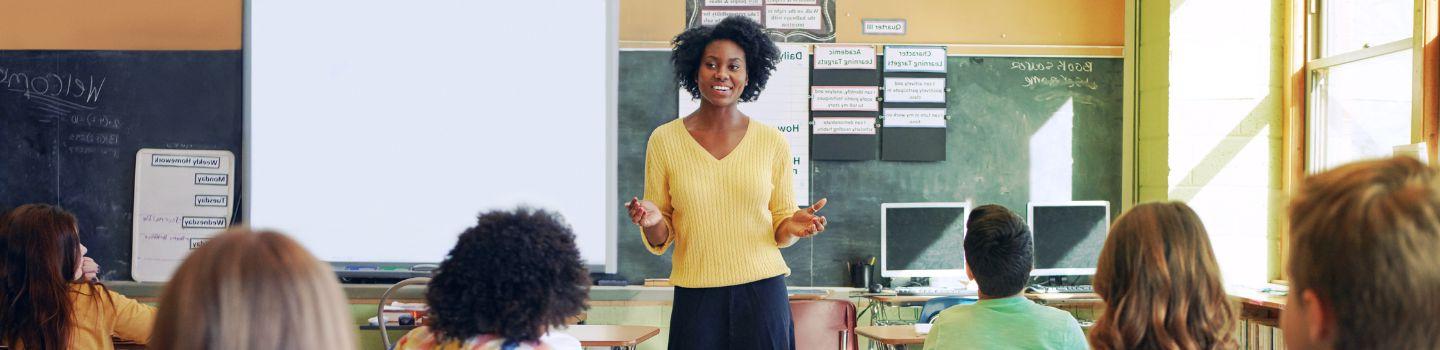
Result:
x=508 y=281
x=718 y=187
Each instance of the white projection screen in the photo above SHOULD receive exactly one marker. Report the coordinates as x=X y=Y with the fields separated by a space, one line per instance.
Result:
x=378 y=130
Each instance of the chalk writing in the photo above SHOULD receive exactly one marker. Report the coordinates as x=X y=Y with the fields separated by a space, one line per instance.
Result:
x=1060 y=81
x=73 y=88
x=1063 y=66
x=98 y=138
x=105 y=151
x=89 y=119
x=160 y=219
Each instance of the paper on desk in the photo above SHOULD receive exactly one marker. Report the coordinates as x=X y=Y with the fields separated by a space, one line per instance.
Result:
x=922 y=328
x=399 y=306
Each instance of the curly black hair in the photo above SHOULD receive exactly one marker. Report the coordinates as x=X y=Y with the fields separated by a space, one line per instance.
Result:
x=761 y=54
x=514 y=274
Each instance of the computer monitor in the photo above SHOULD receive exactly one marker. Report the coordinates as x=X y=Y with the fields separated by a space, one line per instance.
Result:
x=1068 y=236
x=923 y=239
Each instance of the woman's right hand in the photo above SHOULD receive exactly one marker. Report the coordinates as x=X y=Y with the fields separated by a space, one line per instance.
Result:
x=644 y=213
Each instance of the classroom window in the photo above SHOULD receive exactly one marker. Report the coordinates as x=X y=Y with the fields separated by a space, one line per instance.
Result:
x=1349 y=25
x=1360 y=80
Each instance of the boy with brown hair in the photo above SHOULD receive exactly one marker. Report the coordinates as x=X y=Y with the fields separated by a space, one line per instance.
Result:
x=1365 y=258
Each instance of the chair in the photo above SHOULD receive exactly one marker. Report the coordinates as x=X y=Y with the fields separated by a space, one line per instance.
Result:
x=380 y=312
x=826 y=324
x=933 y=307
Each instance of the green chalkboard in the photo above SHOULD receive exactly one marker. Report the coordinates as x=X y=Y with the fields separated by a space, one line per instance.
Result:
x=1021 y=129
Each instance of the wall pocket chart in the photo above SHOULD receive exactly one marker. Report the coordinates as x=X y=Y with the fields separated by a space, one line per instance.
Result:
x=914 y=120
x=182 y=198
x=844 y=102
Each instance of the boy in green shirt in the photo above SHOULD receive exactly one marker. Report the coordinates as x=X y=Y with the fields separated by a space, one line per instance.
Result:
x=999 y=254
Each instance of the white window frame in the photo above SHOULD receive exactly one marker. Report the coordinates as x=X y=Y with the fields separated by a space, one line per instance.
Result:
x=1317 y=68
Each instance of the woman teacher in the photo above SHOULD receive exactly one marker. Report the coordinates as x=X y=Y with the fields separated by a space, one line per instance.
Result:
x=718 y=188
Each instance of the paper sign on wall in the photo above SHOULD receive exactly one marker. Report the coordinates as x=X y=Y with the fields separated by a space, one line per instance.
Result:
x=927 y=59
x=182 y=198
x=921 y=90
x=723 y=3
x=711 y=17
x=844 y=98
x=844 y=126
x=914 y=118
x=793 y=17
x=844 y=57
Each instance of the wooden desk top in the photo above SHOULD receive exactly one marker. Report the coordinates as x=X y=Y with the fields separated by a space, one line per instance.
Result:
x=902 y=299
x=892 y=335
x=1052 y=299
x=611 y=335
x=1259 y=299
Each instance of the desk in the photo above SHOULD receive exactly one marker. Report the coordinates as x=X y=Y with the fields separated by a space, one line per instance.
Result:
x=1259 y=318
x=892 y=337
x=880 y=303
x=615 y=337
x=1071 y=302
x=1259 y=307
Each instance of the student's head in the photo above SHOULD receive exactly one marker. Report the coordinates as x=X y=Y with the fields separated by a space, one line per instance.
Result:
x=726 y=63
x=1365 y=258
x=999 y=251
x=1161 y=284
x=41 y=251
x=252 y=290
x=515 y=275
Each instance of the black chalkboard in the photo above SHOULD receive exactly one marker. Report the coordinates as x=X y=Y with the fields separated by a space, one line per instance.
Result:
x=71 y=122
x=996 y=105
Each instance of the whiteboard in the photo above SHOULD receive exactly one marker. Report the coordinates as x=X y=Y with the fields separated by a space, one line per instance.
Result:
x=378 y=130
x=182 y=198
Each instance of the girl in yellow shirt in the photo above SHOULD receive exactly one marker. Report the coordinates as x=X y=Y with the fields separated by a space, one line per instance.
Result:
x=51 y=299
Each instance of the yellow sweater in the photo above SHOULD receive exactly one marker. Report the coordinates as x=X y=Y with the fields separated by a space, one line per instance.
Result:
x=96 y=319
x=723 y=212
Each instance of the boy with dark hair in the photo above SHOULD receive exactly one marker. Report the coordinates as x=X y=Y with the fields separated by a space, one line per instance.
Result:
x=999 y=254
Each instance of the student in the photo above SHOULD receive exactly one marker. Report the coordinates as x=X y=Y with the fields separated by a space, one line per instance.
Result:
x=1365 y=258
x=51 y=300
x=508 y=281
x=1161 y=284
x=999 y=256
x=253 y=290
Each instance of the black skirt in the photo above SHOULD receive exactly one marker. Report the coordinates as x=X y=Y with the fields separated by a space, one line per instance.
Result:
x=754 y=315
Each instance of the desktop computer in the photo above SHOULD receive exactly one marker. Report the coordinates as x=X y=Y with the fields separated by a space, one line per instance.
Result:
x=1068 y=239
x=924 y=240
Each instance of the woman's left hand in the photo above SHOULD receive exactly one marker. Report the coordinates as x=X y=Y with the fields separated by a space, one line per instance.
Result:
x=809 y=223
